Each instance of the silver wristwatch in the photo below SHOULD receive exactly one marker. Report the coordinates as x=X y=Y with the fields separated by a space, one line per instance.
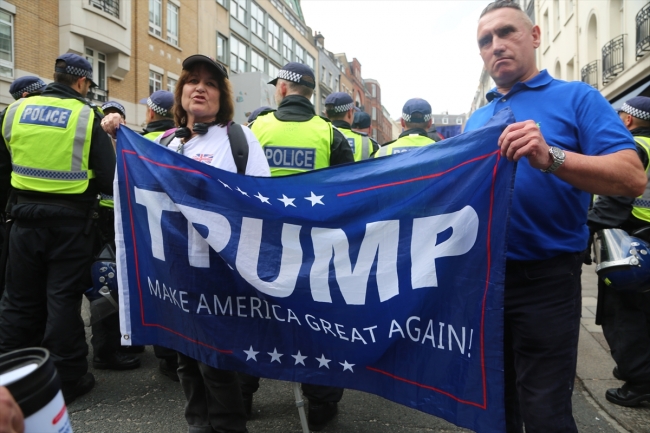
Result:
x=558 y=159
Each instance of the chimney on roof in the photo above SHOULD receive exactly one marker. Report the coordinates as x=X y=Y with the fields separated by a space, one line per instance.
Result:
x=320 y=40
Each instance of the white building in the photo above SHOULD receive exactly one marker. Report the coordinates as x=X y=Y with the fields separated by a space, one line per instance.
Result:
x=604 y=43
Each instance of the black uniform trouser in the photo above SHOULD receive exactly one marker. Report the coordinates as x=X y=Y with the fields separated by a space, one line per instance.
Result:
x=313 y=393
x=542 y=306
x=47 y=273
x=214 y=400
x=626 y=326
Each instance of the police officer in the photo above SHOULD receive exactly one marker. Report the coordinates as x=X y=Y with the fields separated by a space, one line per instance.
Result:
x=251 y=116
x=159 y=116
x=25 y=87
x=108 y=353
x=340 y=110
x=57 y=159
x=416 y=119
x=625 y=316
x=361 y=125
x=296 y=140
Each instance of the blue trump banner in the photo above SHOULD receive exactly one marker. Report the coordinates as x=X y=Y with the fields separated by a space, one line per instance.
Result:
x=384 y=276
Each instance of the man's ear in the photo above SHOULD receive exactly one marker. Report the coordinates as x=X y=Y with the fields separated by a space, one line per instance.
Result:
x=403 y=123
x=537 y=36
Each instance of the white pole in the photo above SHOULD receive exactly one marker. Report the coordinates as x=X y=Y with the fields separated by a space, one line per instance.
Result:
x=300 y=404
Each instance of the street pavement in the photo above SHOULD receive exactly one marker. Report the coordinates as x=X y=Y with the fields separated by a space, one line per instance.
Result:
x=143 y=400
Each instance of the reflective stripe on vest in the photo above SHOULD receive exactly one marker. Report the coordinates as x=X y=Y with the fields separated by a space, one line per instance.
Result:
x=106 y=201
x=294 y=147
x=404 y=144
x=49 y=142
x=641 y=205
x=359 y=143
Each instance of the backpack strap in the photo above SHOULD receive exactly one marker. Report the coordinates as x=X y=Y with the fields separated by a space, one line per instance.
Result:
x=238 y=146
x=167 y=137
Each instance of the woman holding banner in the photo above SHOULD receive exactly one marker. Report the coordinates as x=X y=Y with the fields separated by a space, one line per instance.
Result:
x=203 y=111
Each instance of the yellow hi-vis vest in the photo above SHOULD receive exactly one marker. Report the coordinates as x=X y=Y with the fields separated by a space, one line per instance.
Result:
x=153 y=135
x=360 y=144
x=641 y=205
x=294 y=147
x=404 y=144
x=49 y=142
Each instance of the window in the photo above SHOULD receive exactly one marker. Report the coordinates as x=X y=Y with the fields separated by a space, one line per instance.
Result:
x=556 y=10
x=336 y=85
x=273 y=70
x=172 y=23
x=445 y=121
x=374 y=113
x=374 y=90
x=311 y=62
x=222 y=2
x=111 y=7
x=98 y=61
x=257 y=62
x=257 y=20
x=374 y=134
x=287 y=47
x=300 y=54
x=222 y=45
x=155 y=81
x=546 y=39
x=330 y=82
x=237 y=55
x=171 y=84
x=459 y=121
x=323 y=75
x=6 y=44
x=274 y=35
x=155 y=17
x=238 y=9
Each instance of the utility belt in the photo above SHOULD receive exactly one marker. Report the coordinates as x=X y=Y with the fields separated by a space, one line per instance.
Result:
x=81 y=206
x=90 y=210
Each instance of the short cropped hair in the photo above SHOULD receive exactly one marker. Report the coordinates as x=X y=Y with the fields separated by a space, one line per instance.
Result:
x=299 y=89
x=500 y=4
x=62 y=77
x=332 y=114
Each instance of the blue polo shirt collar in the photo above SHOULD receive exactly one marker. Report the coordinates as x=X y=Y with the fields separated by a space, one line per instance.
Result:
x=539 y=80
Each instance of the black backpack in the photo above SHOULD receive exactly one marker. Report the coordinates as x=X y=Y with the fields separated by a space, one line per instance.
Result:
x=238 y=145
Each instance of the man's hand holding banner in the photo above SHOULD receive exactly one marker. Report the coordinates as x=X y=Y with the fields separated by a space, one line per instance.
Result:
x=384 y=276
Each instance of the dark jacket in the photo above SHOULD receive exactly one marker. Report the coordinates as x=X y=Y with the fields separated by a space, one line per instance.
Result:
x=616 y=211
x=342 y=124
x=295 y=108
x=158 y=126
x=101 y=161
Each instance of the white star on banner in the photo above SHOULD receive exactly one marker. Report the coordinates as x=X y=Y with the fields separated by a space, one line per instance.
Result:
x=300 y=359
x=287 y=201
x=315 y=199
x=323 y=362
x=251 y=354
x=224 y=184
x=347 y=366
x=262 y=198
x=275 y=356
x=242 y=192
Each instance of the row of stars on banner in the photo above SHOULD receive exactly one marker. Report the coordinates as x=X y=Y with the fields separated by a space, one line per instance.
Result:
x=288 y=201
x=299 y=359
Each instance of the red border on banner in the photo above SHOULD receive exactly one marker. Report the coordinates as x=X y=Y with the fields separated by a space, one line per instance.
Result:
x=496 y=153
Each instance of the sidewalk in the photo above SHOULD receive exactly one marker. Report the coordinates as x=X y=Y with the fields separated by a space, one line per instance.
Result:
x=595 y=364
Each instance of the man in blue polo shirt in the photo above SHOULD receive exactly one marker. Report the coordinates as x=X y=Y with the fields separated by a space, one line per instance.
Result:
x=569 y=142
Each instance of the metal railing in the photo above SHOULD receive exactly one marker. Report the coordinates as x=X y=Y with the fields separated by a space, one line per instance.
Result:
x=97 y=95
x=111 y=7
x=643 y=31
x=613 y=59
x=589 y=73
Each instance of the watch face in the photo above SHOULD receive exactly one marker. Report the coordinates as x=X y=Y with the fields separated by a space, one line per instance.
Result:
x=557 y=152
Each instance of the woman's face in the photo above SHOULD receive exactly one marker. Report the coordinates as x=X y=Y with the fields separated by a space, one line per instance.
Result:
x=201 y=96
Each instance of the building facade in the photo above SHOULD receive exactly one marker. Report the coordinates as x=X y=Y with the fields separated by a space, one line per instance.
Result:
x=328 y=74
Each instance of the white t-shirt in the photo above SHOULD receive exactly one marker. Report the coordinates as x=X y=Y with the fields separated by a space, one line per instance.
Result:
x=213 y=148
